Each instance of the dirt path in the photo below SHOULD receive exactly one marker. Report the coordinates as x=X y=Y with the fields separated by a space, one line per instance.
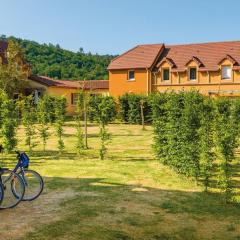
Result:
x=15 y=223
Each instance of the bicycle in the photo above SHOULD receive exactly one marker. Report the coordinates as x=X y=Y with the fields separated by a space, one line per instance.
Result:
x=32 y=180
x=1 y=193
x=12 y=187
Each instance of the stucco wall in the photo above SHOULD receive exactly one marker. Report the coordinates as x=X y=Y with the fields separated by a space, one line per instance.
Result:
x=119 y=83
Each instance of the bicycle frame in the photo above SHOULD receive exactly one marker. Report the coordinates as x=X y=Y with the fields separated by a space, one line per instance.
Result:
x=19 y=169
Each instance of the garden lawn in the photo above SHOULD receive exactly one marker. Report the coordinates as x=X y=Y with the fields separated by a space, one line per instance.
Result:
x=130 y=195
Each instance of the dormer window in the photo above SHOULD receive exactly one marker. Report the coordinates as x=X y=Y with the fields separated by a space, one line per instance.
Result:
x=226 y=72
x=131 y=75
x=192 y=73
x=166 y=74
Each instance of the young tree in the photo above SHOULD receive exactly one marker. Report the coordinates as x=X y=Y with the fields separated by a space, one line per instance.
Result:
x=43 y=119
x=104 y=113
x=9 y=122
x=29 y=120
x=78 y=119
x=14 y=71
x=60 y=111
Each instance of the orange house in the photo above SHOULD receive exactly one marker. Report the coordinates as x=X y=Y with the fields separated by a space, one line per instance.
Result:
x=69 y=89
x=211 y=68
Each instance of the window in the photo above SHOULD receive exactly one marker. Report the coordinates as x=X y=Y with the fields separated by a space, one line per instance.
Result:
x=166 y=74
x=74 y=98
x=193 y=74
x=226 y=72
x=131 y=75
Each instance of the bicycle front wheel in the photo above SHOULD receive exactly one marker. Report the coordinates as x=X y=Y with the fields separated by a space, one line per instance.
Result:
x=33 y=184
x=13 y=187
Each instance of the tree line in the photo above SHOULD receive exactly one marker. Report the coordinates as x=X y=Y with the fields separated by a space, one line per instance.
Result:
x=55 y=62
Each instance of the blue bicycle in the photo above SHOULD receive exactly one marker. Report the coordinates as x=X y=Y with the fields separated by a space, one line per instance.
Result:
x=32 y=180
x=12 y=189
x=20 y=184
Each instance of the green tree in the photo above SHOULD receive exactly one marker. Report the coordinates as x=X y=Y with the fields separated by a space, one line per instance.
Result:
x=14 y=71
x=78 y=118
x=9 y=122
x=53 y=61
x=60 y=111
x=104 y=113
x=43 y=119
x=29 y=119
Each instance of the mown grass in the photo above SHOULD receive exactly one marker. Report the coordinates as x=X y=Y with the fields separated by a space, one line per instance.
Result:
x=130 y=195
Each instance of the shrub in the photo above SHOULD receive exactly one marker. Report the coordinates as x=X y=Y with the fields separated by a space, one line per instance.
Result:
x=124 y=107
x=206 y=145
x=226 y=142
x=135 y=109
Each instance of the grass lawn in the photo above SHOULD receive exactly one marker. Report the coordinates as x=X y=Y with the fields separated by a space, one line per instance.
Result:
x=127 y=196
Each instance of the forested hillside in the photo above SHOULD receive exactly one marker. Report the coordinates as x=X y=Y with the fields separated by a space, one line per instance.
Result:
x=53 y=61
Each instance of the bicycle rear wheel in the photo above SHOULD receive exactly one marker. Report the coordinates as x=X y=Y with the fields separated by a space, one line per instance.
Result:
x=1 y=193
x=33 y=184
x=13 y=187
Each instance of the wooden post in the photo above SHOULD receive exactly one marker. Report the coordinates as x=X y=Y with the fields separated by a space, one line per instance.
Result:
x=142 y=113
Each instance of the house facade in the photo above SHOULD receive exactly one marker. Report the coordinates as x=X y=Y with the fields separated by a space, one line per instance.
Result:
x=40 y=85
x=211 y=68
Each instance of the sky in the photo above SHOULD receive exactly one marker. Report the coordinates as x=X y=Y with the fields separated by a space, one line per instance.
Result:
x=115 y=26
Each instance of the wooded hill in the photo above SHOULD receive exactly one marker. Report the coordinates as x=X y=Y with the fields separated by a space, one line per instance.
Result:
x=53 y=61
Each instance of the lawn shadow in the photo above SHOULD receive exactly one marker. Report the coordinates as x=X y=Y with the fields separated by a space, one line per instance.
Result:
x=120 y=211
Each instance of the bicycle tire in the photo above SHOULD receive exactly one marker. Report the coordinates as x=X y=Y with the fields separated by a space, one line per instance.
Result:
x=1 y=193
x=34 y=184
x=9 y=181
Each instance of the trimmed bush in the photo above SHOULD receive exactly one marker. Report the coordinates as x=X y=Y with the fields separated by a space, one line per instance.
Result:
x=130 y=108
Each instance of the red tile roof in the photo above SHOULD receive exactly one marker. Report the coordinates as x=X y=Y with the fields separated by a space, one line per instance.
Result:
x=207 y=55
x=87 y=85
x=142 y=56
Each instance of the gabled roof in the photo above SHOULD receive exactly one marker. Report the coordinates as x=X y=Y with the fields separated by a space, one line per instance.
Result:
x=196 y=60
x=87 y=85
x=208 y=53
x=168 y=60
x=230 y=58
x=142 y=56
